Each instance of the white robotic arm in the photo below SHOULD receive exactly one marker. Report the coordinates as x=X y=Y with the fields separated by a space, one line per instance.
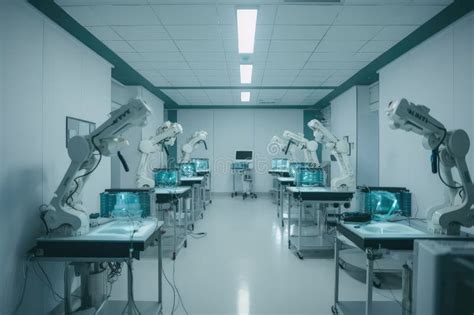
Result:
x=449 y=150
x=278 y=144
x=308 y=147
x=65 y=215
x=340 y=150
x=193 y=141
x=165 y=136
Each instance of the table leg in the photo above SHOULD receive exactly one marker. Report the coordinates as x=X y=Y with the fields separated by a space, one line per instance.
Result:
x=175 y=213
x=336 y=272
x=160 y=270
x=300 y=229
x=185 y=224
x=369 y=280
x=67 y=290
x=130 y=286
x=289 y=221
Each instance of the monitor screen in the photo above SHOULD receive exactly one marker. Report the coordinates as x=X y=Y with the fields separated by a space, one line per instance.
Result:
x=243 y=155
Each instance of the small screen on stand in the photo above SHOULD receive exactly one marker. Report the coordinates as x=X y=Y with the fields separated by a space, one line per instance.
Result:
x=243 y=155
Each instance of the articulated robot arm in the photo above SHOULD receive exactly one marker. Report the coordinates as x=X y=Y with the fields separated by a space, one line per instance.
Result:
x=193 y=141
x=66 y=215
x=340 y=150
x=165 y=136
x=449 y=150
x=278 y=144
x=308 y=147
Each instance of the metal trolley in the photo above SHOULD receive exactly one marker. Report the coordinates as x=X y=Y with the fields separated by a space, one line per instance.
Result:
x=242 y=169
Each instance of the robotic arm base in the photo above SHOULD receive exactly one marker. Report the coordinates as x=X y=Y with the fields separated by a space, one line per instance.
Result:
x=66 y=221
x=346 y=183
x=145 y=182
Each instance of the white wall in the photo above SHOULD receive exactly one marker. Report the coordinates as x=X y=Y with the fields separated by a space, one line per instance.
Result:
x=45 y=75
x=238 y=129
x=439 y=74
x=121 y=95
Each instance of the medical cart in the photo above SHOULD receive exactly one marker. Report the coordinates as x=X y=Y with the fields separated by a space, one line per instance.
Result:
x=319 y=240
x=197 y=205
x=202 y=169
x=243 y=172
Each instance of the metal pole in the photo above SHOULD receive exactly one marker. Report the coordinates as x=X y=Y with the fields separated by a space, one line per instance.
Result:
x=289 y=221
x=160 y=270
x=336 y=272
x=67 y=290
x=369 y=279
x=129 y=287
x=300 y=229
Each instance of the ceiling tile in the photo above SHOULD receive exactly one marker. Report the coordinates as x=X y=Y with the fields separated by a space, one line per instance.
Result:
x=304 y=32
x=282 y=72
x=213 y=80
x=307 y=14
x=194 y=31
x=207 y=72
x=277 y=81
x=171 y=65
x=317 y=72
x=183 y=81
x=103 y=33
x=365 y=56
x=394 y=32
x=204 y=57
x=153 y=45
x=162 y=56
x=340 y=46
x=144 y=32
x=313 y=80
x=176 y=73
x=354 y=32
x=193 y=93
x=200 y=45
x=236 y=58
x=333 y=56
x=126 y=14
x=335 y=80
x=386 y=15
x=377 y=46
x=293 y=45
x=334 y=65
x=186 y=14
x=272 y=94
x=208 y=65
x=118 y=46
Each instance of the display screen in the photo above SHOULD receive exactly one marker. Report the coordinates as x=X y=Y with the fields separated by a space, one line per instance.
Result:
x=243 y=155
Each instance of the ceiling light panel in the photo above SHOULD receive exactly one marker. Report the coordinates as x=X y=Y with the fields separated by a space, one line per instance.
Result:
x=246 y=27
x=246 y=74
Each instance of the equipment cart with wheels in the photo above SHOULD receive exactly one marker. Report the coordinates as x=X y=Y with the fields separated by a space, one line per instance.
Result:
x=243 y=172
x=202 y=169
x=319 y=197
x=197 y=205
x=373 y=244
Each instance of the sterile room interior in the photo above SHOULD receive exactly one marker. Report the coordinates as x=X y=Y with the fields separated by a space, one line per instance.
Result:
x=241 y=157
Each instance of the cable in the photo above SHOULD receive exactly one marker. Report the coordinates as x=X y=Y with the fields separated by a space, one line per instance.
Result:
x=23 y=290
x=172 y=287
x=47 y=282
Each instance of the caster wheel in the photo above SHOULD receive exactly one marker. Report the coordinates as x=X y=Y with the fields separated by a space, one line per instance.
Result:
x=174 y=256
x=299 y=256
x=210 y=201
x=377 y=283
x=202 y=215
x=185 y=244
x=334 y=310
x=289 y=244
x=192 y=227
x=282 y=224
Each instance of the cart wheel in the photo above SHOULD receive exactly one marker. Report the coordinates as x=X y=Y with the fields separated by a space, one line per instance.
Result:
x=185 y=243
x=377 y=283
x=192 y=227
x=289 y=244
x=282 y=224
x=174 y=256
x=334 y=310
x=210 y=201
x=299 y=255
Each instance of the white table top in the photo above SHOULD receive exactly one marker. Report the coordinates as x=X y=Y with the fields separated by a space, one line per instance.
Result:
x=285 y=179
x=295 y=189
x=171 y=190
x=192 y=179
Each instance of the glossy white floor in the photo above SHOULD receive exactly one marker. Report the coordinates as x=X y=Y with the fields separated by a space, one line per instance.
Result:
x=243 y=266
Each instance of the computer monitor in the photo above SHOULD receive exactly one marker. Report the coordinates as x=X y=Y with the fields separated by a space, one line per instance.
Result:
x=244 y=155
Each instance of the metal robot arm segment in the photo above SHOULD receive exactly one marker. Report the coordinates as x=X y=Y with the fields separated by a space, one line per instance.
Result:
x=193 y=141
x=340 y=150
x=165 y=136
x=65 y=215
x=308 y=147
x=282 y=145
x=449 y=150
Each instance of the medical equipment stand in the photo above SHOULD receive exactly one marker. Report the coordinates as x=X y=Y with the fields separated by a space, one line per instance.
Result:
x=206 y=189
x=246 y=175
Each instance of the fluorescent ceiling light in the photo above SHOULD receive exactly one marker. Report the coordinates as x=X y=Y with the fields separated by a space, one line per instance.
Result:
x=246 y=25
x=246 y=74
x=245 y=96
